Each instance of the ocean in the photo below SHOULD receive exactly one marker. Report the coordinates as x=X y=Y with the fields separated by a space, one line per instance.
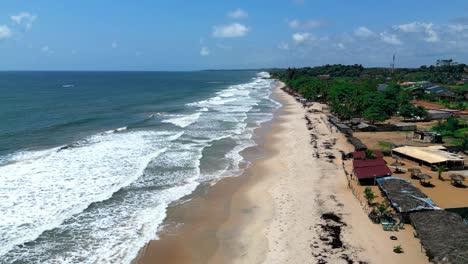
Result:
x=90 y=161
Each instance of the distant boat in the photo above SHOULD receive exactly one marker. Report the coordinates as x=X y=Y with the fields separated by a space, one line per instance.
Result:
x=68 y=85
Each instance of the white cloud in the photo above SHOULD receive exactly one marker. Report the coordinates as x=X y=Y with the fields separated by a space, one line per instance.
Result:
x=204 y=51
x=300 y=38
x=24 y=18
x=390 y=38
x=308 y=24
x=341 y=46
x=114 y=44
x=238 y=13
x=283 y=46
x=458 y=28
x=5 y=32
x=233 y=30
x=363 y=32
x=430 y=35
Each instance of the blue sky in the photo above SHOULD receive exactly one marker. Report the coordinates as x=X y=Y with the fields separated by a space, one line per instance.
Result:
x=192 y=35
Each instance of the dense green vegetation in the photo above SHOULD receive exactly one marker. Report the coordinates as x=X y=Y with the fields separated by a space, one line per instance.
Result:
x=351 y=97
x=454 y=128
x=351 y=90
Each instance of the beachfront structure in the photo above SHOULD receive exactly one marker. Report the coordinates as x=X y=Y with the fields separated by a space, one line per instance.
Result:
x=361 y=155
x=404 y=196
x=430 y=156
x=367 y=170
x=443 y=235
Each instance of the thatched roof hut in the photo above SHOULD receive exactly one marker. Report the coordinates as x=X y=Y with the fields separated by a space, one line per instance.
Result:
x=357 y=143
x=404 y=196
x=443 y=234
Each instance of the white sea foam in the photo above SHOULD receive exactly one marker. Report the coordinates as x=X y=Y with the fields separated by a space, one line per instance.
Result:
x=89 y=196
x=183 y=121
x=40 y=191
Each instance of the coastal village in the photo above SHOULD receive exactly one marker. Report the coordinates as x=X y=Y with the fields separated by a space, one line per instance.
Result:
x=409 y=175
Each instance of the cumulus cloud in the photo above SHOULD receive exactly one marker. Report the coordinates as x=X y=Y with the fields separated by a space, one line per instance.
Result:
x=5 y=32
x=307 y=24
x=204 y=51
x=24 y=18
x=233 y=30
x=300 y=38
x=390 y=38
x=238 y=13
x=427 y=29
x=363 y=32
x=283 y=46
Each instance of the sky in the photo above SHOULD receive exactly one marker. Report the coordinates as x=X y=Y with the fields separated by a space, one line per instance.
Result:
x=244 y=34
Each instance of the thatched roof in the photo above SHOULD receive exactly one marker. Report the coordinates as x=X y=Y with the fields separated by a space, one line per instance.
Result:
x=405 y=196
x=443 y=234
x=357 y=143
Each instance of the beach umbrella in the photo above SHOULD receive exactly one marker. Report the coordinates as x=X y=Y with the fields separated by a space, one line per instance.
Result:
x=457 y=177
x=396 y=164
x=422 y=177
x=414 y=170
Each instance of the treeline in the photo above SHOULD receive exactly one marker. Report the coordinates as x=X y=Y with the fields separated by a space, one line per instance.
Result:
x=348 y=95
x=447 y=74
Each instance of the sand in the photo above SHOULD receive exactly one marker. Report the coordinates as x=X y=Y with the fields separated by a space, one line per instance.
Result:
x=292 y=206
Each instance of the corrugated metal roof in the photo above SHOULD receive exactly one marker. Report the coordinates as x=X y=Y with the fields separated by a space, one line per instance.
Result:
x=428 y=154
x=372 y=172
x=368 y=163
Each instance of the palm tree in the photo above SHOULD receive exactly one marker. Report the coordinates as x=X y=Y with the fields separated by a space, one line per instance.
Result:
x=369 y=154
x=369 y=195
x=440 y=169
x=382 y=208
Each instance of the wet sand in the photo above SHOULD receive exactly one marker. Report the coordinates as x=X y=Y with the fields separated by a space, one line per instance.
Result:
x=291 y=206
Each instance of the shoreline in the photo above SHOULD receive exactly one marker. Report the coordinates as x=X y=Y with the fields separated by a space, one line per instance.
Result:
x=292 y=205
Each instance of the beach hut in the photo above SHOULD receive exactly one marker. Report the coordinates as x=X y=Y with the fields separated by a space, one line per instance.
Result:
x=367 y=171
x=362 y=155
x=443 y=235
x=404 y=196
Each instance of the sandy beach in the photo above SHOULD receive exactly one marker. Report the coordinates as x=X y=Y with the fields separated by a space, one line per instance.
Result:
x=291 y=206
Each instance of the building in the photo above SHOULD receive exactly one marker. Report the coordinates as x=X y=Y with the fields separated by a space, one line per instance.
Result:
x=361 y=155
x=427 y=136
x=430 y=156
x=435 y=114
x=367 y=170
x=404 y=126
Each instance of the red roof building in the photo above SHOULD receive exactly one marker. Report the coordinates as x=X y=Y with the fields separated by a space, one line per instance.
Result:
x=362 y=155
x=372 y=172
x=370 y=168
x=368 y=163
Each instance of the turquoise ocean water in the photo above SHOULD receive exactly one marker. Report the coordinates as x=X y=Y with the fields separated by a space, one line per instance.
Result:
x=89 y=161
